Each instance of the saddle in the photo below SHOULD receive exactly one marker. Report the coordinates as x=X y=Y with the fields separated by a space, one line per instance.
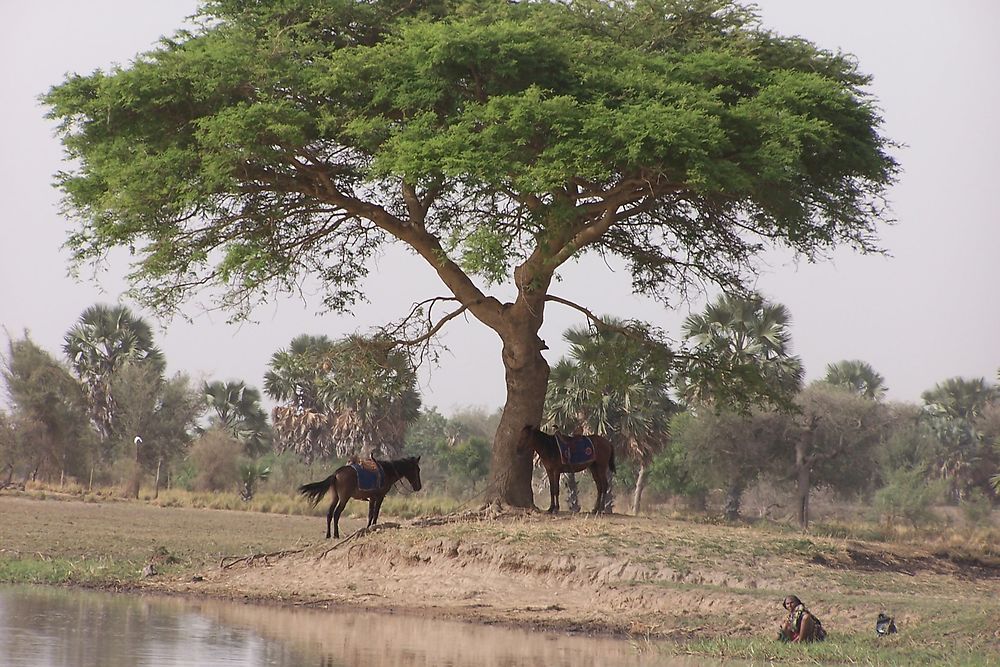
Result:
x=371 y=477
x=575 y=450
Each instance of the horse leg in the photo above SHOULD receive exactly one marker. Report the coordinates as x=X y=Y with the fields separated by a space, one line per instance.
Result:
x=336 y=515
x=553 y=491
x=333 y=504
x=371 y=512
x=601 y=482
x=378 y=508
x=329 y=516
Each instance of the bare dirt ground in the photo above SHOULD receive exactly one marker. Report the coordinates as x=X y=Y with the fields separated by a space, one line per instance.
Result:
x=645 y=577
x=652 y=577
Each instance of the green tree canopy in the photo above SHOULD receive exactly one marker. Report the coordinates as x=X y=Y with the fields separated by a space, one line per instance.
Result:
x=50 y=428
x=455 y=450
x=162 y=411
x=495 y=140
x=833 y=440
x=295 y=379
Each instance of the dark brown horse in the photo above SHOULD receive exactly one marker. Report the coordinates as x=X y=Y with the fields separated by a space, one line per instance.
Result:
x=344 y=485
x=547 y=449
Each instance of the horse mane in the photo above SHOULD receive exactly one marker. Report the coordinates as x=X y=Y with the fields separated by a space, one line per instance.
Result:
x=547 y=443
x=405 y=463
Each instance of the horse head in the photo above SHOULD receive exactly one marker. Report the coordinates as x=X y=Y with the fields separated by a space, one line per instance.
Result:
x=412 y=473
x=524 y=440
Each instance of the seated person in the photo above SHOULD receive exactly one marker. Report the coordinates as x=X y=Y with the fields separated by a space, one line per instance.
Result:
x=801 y=625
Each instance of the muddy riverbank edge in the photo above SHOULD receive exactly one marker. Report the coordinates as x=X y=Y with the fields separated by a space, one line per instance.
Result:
x=642 y=577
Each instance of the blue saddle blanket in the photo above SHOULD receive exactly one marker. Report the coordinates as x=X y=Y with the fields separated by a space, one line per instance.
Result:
x=371 y=477
x=575 y=450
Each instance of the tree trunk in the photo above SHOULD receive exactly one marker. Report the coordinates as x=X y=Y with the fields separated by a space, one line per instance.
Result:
x=133 y=488
x=802 y=481
x=609 y=497
x=640 y=486
x=510 y=471
x=156 y=485
x=572 y=492
x=527 y=375
x=734 y=498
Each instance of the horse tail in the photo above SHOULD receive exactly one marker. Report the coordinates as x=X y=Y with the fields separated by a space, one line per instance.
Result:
x=315 y=491
x=611 y=460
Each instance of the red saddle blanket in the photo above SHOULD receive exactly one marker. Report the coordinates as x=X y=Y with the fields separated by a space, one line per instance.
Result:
x=575 y=450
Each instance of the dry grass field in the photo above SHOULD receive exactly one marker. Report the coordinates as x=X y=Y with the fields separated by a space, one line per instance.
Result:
x=699 y=587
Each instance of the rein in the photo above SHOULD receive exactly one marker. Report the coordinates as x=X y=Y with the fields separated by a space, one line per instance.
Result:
x=400 y=477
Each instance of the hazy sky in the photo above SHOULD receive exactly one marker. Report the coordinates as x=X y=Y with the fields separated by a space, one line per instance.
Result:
x=927 y=313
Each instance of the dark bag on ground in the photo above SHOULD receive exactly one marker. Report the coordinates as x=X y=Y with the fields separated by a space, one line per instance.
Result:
x=884 y=625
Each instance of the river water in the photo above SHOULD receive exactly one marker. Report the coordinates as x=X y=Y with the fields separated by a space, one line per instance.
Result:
x=56 y=627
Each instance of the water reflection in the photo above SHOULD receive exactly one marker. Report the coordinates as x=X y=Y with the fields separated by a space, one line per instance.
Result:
x=57 y=627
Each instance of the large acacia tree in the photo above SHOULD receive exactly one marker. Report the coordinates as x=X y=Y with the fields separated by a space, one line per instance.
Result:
x=495 y=140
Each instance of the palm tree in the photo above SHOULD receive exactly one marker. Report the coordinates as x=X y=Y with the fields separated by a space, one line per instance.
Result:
x=252 y=472
x=102 y=341
x=741 y=354
x=371 y=395
x=857 y=377
x=295 y=380
x=354 y=396
x=952 y=408
x=236 y=408
x=617 y=386
x=959 y=398
x=741 y=359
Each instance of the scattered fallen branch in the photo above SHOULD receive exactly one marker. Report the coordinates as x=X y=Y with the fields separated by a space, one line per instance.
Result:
x=252 y=559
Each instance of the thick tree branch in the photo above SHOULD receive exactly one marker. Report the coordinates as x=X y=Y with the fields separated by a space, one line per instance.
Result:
x=637 y=333
x=598 y=322
x=589 y=234
x=412 y=232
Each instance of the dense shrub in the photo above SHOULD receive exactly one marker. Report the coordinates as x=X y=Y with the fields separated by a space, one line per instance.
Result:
x=215 y=457
x=907 y=496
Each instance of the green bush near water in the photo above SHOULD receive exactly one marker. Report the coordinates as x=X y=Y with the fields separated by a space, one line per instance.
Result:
x=63 y=571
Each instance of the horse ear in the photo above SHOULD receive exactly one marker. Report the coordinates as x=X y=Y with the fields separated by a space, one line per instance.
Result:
x=418 y=459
